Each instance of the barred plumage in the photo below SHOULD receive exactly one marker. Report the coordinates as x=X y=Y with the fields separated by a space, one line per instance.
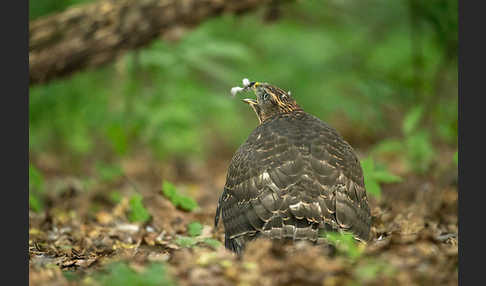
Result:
x=294 y=176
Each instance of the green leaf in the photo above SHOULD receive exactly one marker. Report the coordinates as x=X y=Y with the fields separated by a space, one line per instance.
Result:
x=212 y=242
x=374 y=175
x=36 y=188
x=169 y=190
x=185 y=241
x=194 y=228
x=345 y=243
x=187 y=203
x=157 y=274
x=412 y=119
x=36 y=180
x=80 y=141
x=388 y=146
x=34 y=203
x=116 y=133
x=115 y=197
x=108 y=173
x=368 y=166
x=138 y=213
x=420 y=151
x=384 y=176
x=120 y=274
x=372 y=187
x=372 y=268
x=181 y=201
x=71 y=276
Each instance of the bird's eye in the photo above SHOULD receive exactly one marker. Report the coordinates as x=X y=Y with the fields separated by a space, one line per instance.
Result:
x=265 y=96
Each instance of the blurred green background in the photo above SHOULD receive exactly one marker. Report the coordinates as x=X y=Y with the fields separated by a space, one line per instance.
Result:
x=383 y=73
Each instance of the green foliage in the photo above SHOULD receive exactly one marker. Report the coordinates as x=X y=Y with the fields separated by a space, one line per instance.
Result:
x=419 y=151
x=388 y=146
x=345 y=244
x=35 y=203
x=194 y=228
x=412 y=120
x=108 y=173
x=371 y=269
x=417 y=141
x=415 y=147
x=66 y=121
x=456 y=158
x=138 y=212
x=117 y=137
x=188 y=242
x=36 y=180
x=120 y=274
x=71 y=276
x=445 y=120
x=212 y=242
x=36 y=189
x=115 y=197
x=374 y=175
x=173 y=98
x=184 y=202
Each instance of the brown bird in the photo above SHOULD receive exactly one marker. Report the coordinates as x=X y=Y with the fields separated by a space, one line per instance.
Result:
x=294 y=177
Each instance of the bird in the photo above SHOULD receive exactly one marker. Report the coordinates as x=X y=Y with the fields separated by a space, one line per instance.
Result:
x=294 y=178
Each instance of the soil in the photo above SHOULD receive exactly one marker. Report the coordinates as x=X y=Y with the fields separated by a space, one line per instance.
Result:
x=82 y=230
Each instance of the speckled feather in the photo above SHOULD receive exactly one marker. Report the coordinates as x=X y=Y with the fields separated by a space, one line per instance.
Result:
x=294 y=176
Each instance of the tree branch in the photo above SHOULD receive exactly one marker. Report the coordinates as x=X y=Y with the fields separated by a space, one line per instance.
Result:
x=97 y=33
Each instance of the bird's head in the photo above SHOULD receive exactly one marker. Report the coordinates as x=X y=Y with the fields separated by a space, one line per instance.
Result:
x=270 y=100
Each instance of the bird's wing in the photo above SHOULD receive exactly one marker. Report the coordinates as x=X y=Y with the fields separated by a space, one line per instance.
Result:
x=235 y=204
x=251 y=200
x=337 y=169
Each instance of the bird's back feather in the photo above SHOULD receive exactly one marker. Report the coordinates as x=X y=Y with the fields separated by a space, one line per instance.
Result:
x=294 y=176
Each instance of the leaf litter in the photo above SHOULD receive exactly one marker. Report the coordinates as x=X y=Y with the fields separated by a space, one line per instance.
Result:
x=85 y=237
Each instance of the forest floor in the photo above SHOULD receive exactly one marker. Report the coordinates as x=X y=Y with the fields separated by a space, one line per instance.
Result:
x=84 y=236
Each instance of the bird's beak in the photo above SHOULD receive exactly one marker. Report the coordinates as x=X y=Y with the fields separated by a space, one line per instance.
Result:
x=254 y=105
x=249 y=101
